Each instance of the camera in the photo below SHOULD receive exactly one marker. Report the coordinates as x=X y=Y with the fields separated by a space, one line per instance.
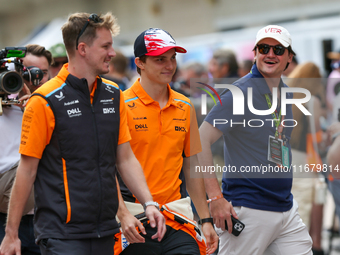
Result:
x=13 y=73
x=11 y=81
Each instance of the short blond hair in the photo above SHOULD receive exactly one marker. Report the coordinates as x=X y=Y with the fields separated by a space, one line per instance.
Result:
x=76 y=22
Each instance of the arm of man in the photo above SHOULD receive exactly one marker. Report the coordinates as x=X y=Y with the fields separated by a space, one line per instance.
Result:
x=195 y=187
x=129 y=222
x=221 y=209
x=132 y=174
x=22 y=187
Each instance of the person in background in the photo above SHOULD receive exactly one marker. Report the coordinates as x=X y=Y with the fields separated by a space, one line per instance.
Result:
x=189 y=71
x=59 y=58
x=308 y=141
x=118 y=68
x=291 y=67
x=333 y=158
x=223 y=64
x=10 y=122
x=245 y=67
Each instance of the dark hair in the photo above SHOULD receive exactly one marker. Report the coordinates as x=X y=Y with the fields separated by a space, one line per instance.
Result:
x=143 y=59
x=119 y=62
x=40 y=51
x=226 y=56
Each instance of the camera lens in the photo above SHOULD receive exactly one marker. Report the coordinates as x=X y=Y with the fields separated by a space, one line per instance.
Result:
x=11 y=82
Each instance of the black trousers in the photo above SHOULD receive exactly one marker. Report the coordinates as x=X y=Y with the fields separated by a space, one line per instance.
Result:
x=92 y=246
x=174 y=242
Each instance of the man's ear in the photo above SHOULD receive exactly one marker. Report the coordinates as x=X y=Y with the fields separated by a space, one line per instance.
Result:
x=82 y=49
x=290 y=57
x=139 y=63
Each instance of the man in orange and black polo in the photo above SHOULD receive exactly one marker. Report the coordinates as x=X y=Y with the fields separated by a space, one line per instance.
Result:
x=165 y=139
x=74 y=134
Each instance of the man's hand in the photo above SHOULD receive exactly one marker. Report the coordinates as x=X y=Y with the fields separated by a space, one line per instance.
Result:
x=24 y=95
x=222 y=210
x=156 y=219
x=10 y=245
x=210 y=236
x=128 y=225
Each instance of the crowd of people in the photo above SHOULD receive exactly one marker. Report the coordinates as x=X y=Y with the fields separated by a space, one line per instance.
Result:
x=98 y=161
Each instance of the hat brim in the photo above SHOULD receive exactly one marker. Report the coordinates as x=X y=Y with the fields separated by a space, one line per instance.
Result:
x=284 y=43
x=165 y=49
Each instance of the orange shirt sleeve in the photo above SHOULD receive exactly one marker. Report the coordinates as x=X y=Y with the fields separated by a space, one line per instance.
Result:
x=124 y=133
x=37 y=127
x=192 y=142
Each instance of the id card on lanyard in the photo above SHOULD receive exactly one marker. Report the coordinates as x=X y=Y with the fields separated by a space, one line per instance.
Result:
x=277 y=150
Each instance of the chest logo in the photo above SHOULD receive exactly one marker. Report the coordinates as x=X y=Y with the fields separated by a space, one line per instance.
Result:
x=108 y=110
x=75 y=112
x=141 y=127
x=60 y=96
x=180 y=129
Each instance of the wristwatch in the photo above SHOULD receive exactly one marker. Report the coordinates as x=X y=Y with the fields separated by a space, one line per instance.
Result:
x=150 y=203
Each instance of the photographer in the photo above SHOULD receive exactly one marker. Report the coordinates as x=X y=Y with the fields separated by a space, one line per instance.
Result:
x=10 y=123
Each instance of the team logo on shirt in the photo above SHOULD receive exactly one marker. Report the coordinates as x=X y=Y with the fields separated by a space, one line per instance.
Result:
x=179 y=120
x=132 y=106
x=60 y=96
x=109 y=110
x=107 y=101
x=72 y=102
x=141 y=127
x=139 y=118
x=180 y=129
x=75 y=112
x=180 y=107
x=109 y=89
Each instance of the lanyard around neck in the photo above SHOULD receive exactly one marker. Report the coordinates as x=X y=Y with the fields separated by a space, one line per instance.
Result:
x=276 y=117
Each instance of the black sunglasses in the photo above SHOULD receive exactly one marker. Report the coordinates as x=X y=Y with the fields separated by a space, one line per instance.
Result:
x=95 y=18
x=279 y=50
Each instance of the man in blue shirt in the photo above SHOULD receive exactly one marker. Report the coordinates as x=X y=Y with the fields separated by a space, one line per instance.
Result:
x=257 y=176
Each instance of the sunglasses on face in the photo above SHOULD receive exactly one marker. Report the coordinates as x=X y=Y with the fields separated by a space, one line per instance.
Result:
x=95 y=18
x=278 y=50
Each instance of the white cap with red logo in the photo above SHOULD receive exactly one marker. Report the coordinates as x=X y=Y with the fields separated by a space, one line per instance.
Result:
x=278 y=33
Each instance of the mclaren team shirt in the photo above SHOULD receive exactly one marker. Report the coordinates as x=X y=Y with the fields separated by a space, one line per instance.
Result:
x=161 y=138
x=39 y=122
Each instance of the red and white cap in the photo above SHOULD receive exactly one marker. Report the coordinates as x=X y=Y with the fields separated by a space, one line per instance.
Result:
x=155 y=42
x=278 y=33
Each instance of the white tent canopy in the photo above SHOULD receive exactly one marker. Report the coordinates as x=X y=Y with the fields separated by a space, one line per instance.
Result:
x=49 y=35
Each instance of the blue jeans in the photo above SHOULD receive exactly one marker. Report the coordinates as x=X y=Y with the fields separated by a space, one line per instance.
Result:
x=26 y=234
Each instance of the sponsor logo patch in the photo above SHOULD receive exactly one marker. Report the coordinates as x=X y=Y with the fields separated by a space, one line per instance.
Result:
x=141 y=127
x=180 y=129
x=72 y=102
x=60 y=96
x=75 y=112
x=108 y=110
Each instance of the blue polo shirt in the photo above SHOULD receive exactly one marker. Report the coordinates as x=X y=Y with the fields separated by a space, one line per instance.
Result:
x=249 y=178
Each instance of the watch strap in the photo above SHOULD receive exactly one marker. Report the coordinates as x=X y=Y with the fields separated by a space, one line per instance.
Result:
x=150 y=203
x=211 y=220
